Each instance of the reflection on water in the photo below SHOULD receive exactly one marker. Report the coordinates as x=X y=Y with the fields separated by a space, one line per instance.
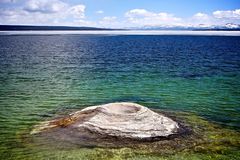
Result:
x=43 y=75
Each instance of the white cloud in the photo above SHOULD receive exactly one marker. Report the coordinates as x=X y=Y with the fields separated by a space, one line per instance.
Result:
x=59 y=12
x=199 y=20
x=201 y=16
x=138 y=13
x=144 y=17
x=77 y=11
x=45 y=6
x=230 y=14
x=110 y=21
x=100 y=12
x=81 y=22
x=43 y=12
x=7 y=1
x=217 y=18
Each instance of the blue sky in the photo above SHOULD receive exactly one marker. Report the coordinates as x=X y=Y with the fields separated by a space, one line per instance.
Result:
x=120 y=13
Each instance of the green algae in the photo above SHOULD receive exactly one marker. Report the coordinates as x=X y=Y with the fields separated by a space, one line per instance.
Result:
x=206 y=140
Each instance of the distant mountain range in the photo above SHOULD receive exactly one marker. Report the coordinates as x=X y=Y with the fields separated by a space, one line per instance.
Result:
x=48 y=28
x=200 y=27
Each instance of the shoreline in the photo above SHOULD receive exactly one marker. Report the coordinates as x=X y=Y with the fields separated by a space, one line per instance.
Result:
x=127 y=32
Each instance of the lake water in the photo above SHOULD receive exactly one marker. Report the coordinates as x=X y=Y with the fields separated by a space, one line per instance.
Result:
x=45 y=75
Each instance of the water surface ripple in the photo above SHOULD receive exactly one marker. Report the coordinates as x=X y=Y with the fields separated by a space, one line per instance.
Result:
x=41 y=75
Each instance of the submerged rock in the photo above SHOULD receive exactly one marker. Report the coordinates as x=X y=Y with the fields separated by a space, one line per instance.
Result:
x=196 y=138
x=123 y=120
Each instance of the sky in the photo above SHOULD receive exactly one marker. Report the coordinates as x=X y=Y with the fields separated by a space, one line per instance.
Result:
x=121 y=13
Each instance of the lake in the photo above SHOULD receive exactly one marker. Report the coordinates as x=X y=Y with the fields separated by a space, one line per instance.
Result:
x=42 y=76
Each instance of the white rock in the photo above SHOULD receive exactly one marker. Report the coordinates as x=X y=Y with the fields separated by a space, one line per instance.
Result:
x=126 y=120
x=129 y=120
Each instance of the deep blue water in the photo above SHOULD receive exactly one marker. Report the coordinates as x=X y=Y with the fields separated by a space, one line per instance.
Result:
x=43 y=75
x=39 y=73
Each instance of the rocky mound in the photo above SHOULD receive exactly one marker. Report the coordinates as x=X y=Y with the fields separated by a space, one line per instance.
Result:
x=124 y=120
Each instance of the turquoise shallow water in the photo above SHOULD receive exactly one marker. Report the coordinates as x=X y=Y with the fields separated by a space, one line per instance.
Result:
x=43 y=75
